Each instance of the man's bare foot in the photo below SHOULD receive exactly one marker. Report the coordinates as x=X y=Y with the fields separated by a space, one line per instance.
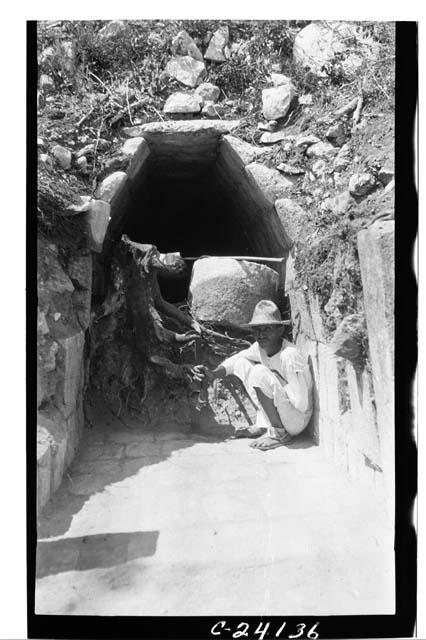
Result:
x=249 y=432
x=266 y=442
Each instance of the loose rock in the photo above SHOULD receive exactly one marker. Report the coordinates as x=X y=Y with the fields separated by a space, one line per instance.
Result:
x=112 y=29
x=336 y=134
x=385 y=175
x=321 y=150
x=184 y=45
x=342 y=159
x=268 y=126
x=82 y=164
x=316 y=44
x=279 y=79
x=218 y=49
x=338 y=204
x=47 y=84
x=186 y=70
x=208 y=92
x=306 y=141
x=180 y=102
x=211 y=110
x=276 y=100
x=360 y=184
x=272 y=138
x=290 y=169
x=62 y=156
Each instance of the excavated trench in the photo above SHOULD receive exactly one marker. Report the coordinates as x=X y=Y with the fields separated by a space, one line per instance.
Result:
x=188 y=191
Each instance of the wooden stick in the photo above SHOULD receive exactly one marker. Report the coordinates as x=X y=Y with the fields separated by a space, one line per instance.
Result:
x=346 y=109
x=249 y=258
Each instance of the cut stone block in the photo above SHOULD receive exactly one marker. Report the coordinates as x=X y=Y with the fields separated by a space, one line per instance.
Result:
x=98 y=220
x=270 y=181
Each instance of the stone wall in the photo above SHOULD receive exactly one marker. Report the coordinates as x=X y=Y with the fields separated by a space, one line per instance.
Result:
x=354 y=420
x=64 y=299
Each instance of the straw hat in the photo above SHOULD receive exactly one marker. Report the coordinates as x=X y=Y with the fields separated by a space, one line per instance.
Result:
x=266 y=313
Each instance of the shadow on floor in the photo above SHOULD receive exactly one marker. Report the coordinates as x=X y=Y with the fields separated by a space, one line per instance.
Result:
x=93 y=551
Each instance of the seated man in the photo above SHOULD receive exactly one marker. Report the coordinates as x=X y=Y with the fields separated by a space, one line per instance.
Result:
x=276 y=377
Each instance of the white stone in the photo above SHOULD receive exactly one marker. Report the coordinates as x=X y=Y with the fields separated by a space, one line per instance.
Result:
x=111 y=185
x=82 y=164
x=218 y=49
x=273 y=137
x=226 y=291
x=270 y=181
x=131 y=146
x=186 y=70
x=183 y=103
x=47 y=84
x=321 y=150
x=279 y=79
x=82 y=206
x=276 y=100
x=208 y=92
x=338 y=204
x=316 y=44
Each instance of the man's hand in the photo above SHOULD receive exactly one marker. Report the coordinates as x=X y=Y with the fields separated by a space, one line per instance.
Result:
x=200 y=372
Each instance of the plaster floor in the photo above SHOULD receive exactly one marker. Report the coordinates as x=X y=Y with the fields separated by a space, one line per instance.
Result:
x=171 y=524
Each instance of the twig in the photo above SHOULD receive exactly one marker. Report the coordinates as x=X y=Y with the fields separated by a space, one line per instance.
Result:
x=84 y=118
x=127 y=101
x=357 y=113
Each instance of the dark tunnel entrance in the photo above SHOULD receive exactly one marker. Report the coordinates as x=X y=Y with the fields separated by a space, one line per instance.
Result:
x=193 y=196
x=193 y=216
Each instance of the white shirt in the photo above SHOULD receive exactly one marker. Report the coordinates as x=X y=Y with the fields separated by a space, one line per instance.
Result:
x=290 y=367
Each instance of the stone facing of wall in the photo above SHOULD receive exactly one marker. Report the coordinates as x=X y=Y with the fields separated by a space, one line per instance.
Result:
x=376 y=254
x=64 y=298
x=344 y=421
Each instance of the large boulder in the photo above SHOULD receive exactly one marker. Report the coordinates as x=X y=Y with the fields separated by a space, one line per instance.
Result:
x=218 y=49
x=276 y=101
x=181 y=102
x=226 y=291
x=316 y=45
x=186 y=70
x=184 y=45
